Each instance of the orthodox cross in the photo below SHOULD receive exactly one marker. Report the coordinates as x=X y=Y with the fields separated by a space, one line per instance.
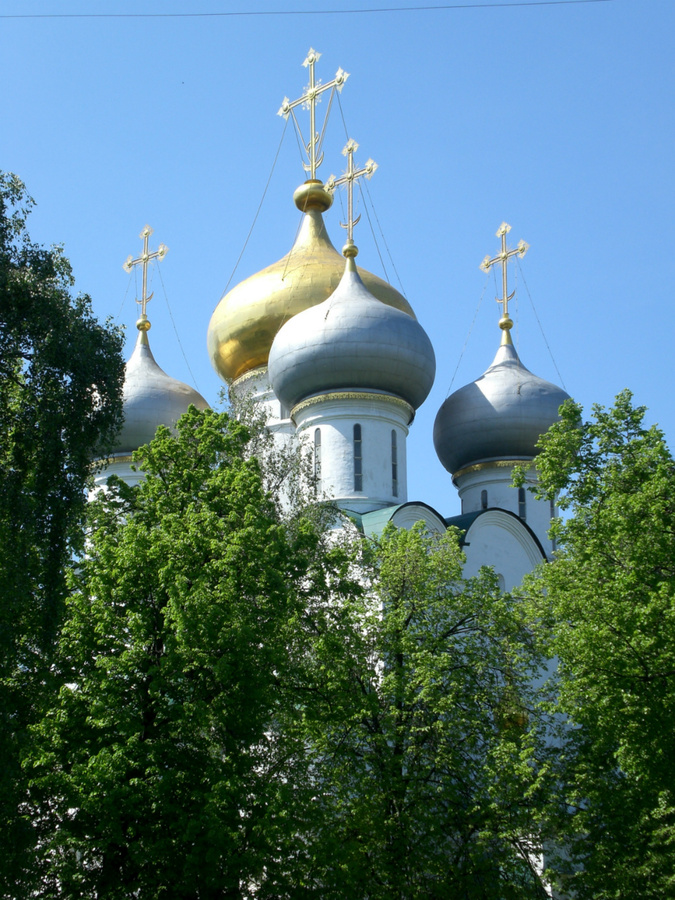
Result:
x=503 y=258
x=349 y=178
x=143 y=260
x=309 y=100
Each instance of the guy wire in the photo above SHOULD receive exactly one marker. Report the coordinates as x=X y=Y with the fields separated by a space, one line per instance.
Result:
x=166 y=298
x=540 y=326
x=257 y=213
x=473 y=322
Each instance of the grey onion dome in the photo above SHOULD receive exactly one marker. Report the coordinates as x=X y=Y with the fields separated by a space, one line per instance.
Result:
x=500 y=416
x=151 y=398
x=351 y=341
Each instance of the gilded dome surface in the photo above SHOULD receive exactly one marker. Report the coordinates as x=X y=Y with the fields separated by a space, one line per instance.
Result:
x=151 y=398
x=499 y=416
x=352 y=341
x=246 y=320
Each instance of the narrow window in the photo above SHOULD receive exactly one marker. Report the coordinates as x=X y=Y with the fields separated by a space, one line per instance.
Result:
x=483 y=499
x=394 y=465
x=521 y=503
x=358 y=459
x=317 y=456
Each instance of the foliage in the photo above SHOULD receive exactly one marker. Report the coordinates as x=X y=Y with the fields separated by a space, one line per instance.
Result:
x=251 y=706
x=60 y=406
x=423 y=745
x=606 y=610
x=161 y=770
x=286 y=465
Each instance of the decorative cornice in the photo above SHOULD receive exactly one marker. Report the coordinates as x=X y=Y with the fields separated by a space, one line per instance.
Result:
x=494 y=464
x=248 y=376
x=353 y=395
x=105 y=461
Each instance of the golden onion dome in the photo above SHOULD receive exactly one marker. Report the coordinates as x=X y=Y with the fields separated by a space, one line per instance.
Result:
x=247 y=319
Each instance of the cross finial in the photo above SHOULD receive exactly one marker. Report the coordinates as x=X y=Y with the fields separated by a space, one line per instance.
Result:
x=349 y=178
x=143 y=260
x=309 y=100
x=505 y=323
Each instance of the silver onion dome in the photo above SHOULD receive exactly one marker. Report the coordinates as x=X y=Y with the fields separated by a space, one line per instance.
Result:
x=151 y=398
x=500 y=416
x=352 y=341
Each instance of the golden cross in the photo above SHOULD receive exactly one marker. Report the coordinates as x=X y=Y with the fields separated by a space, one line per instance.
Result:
x=143 y=260
x=349 y=178
x=309 y=99
x=503 y=258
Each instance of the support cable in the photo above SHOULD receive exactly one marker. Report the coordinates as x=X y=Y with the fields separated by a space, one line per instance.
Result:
x=166 y=298
x=124 y=299
x=366 y=207
x=299 y=12
x=541 y=328
x=257 y=213
x=466 y=342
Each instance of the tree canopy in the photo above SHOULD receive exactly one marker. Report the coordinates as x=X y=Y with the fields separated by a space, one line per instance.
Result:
x=160 y=765
x=430 y=758
x=61 y=379
x=214 y=687
x=60 y=406
x=252 y=705
x=605 y=609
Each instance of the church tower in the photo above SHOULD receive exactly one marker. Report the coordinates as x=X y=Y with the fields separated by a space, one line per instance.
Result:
x=248 y=317
x=335 y=356
x=486 y=428
x=151 y=397
x=352 y=371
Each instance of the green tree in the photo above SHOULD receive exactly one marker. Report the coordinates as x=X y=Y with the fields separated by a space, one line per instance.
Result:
x=161 y=771
x=253 y=707
x=429 y=760
x=606 y=610
x=60 y=405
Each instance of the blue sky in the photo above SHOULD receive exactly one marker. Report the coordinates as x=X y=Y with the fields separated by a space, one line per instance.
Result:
x=556 y=118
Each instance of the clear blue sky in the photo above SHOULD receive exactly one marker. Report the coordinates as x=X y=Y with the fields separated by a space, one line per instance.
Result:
x=555 y=118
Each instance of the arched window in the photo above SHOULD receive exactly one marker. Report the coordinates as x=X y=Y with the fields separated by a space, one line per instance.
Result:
x=394 y=465
x=358 y=459
x=521 y=504
x=483 y=499
x=317 y=456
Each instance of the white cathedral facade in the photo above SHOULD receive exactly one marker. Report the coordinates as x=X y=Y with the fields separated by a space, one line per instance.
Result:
x=336 y=358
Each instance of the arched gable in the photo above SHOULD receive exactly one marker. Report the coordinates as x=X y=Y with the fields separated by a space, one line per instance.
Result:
x=498 y=538
x=404 y=515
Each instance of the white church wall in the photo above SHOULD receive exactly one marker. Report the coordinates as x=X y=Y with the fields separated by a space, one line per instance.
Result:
x=500 y=540
x=378 y=415
x=409 y=513
x=120 y=466
x=488 y=486
x=255 y=387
